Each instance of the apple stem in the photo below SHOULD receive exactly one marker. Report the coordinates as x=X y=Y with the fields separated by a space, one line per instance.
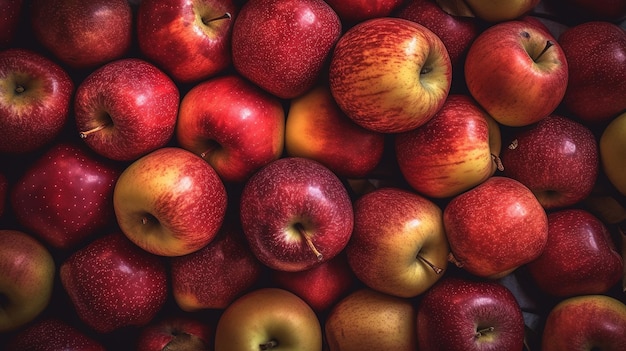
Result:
x=268 y=345
x=549 y=44
x=309 y=242
x=436 y=269
x=84 y=134
x=498 y=162
x=227 y=15
x=480 y=332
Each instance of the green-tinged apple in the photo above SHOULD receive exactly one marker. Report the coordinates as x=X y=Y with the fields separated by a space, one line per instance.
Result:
x=318 y=129
x=284 y=45
x=52 y=333
x=35 y=99
x=499 y=10
x=126 y=109
x=27 y=280
x=367 y=319
x=354 y=11
x=11 y=10
x=190 y=40
x=176 y=332
x=268 y=319
x=389 y=74
x=495 y=228
x=398 y=245
x=510 y=66
x=612 y=147
x=454 y=151
x=170 y=202
x=234 y=125
x=587 y=322
x=295 y=213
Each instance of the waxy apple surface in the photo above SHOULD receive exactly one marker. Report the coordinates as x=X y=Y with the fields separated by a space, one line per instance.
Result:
x=52 y=333
x=501 y=10
x=612 y=147
x=354 y=11
x=9 y=25
x=176 y=332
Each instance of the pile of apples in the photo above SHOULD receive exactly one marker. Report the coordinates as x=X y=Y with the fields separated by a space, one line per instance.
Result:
x=312 y=175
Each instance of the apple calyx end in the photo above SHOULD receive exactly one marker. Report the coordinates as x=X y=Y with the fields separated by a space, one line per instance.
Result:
x=84 y=134
x=19 y=89
x=437 y=270
x=496 y=159
x=479 y=333
x=268 y=345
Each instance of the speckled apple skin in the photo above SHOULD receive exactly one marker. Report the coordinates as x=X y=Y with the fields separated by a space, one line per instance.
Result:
x=50 y=334
x=353 y=11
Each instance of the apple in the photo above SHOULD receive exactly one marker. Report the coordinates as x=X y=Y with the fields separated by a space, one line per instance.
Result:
x=581 y=11
x=354 y=11
x=469 y=314
x=234 y=125
x=170 y=202
x=175 y=332
x=268 y=319
x=612 y=147
x=390 y=75
x=83 y=34
x=586 y=322
x=35 y=100
x=27 y=281
x=190 y=40
x=52 y=333
x=595 y=54
x=454 y=151
x=11 y=10
x=65 y=196
x=283 y=45
x=126 y=108
x=495 y=227
x=538 y=155
x=510 y=66
x=368 y=319
x=580 y=257
x=318 y=129
x=113 y=283
x=500 y=10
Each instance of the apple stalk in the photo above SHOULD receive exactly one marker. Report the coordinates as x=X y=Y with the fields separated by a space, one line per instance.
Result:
x=309 y=242
x=268 y=345
x=436 y=269
x=481 y=332
x=549 y=44
x=226 y=15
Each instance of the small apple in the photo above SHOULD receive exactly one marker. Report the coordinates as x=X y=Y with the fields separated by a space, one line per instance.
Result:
x=11 y=10
x=175 y=332
x=354 y=11
x=612 y=147
x=52 y=333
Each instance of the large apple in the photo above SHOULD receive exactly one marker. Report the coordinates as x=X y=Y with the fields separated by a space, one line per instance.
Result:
x=612 y=147
x=35 y=99
x=354 y=11
x=510 y=66
x=190 y=40
x=170 y=202
x=454 y=151
x=176 y=332
x=283 y=45
x=233 y=124
x=126 y=108
x=389 y=74
x=11 y=10
x=52 y=333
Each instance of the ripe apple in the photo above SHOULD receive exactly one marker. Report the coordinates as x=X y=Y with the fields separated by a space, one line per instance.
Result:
x=587 y=322
x=170 y=202
x=190 y=40
x=296 y=214
x=510 y=66
x=113 y=283
x=501 y=10
x=454 y=151
x=589 y=10
x=65 y=196
x=175 y=332
x=11 y=10
x=283 y=45
x=318 y=129
x=35 y=97
x=390 y=74
x=612 y=147
x=268 y=319
x=234 y=125
x=83 y=34
x=538 y=155
x=470 y=315
x=126 y=108
x=52 y=333
x=27 y=280
x=368 y=319
x=354 y=11
x=495 y=227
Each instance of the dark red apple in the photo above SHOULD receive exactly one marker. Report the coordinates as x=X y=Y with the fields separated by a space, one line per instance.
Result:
x=11 y=11
x=176 y=332
x=354 y=11
x=52 y=333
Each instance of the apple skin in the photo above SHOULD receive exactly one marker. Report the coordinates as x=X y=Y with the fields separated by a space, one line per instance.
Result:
x=113 y=283
x=188 y=39
x=318 y=129
x=581 y=11
x=83 y=34
x=501 y=10
x=580 y=257
x=266 y=316
x=587 y=322
x=612 y=146
x=234 y=125
x=175 y=332
x=390 y=75
x=135 y=104
x=4 y=192
x=536 y=156
x=52 y=333
x=27 y=282
x=597 y=81
x=72 y=206
x=159 y=198
x=35 y=99
x=354 y=11
x=358 y=321
x=455 y=312
x=495 y=227
x=11 y=10
x=454 y=151
x=508 y=72
x=283 y=45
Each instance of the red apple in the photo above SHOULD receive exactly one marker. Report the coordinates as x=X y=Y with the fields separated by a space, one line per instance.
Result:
x=175 y=332
x=190 y=40
x=500 y=10
x=11 y=11
x=283 y=45
x=126 y=108
x=34 y=102
x=83 y=34
x=296 y=214
x=580 y=11
x=52 y=333
x=113 y=283
x=354 y=11
x=234 y=125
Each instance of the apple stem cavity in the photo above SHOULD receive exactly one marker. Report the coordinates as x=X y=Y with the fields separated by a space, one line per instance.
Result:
x=309 y=242
x=227 y=15
x=84 y=134
x=268 y=345
x=549 y=44
x=498 y=162
x=436 y=269
x=483 y=331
